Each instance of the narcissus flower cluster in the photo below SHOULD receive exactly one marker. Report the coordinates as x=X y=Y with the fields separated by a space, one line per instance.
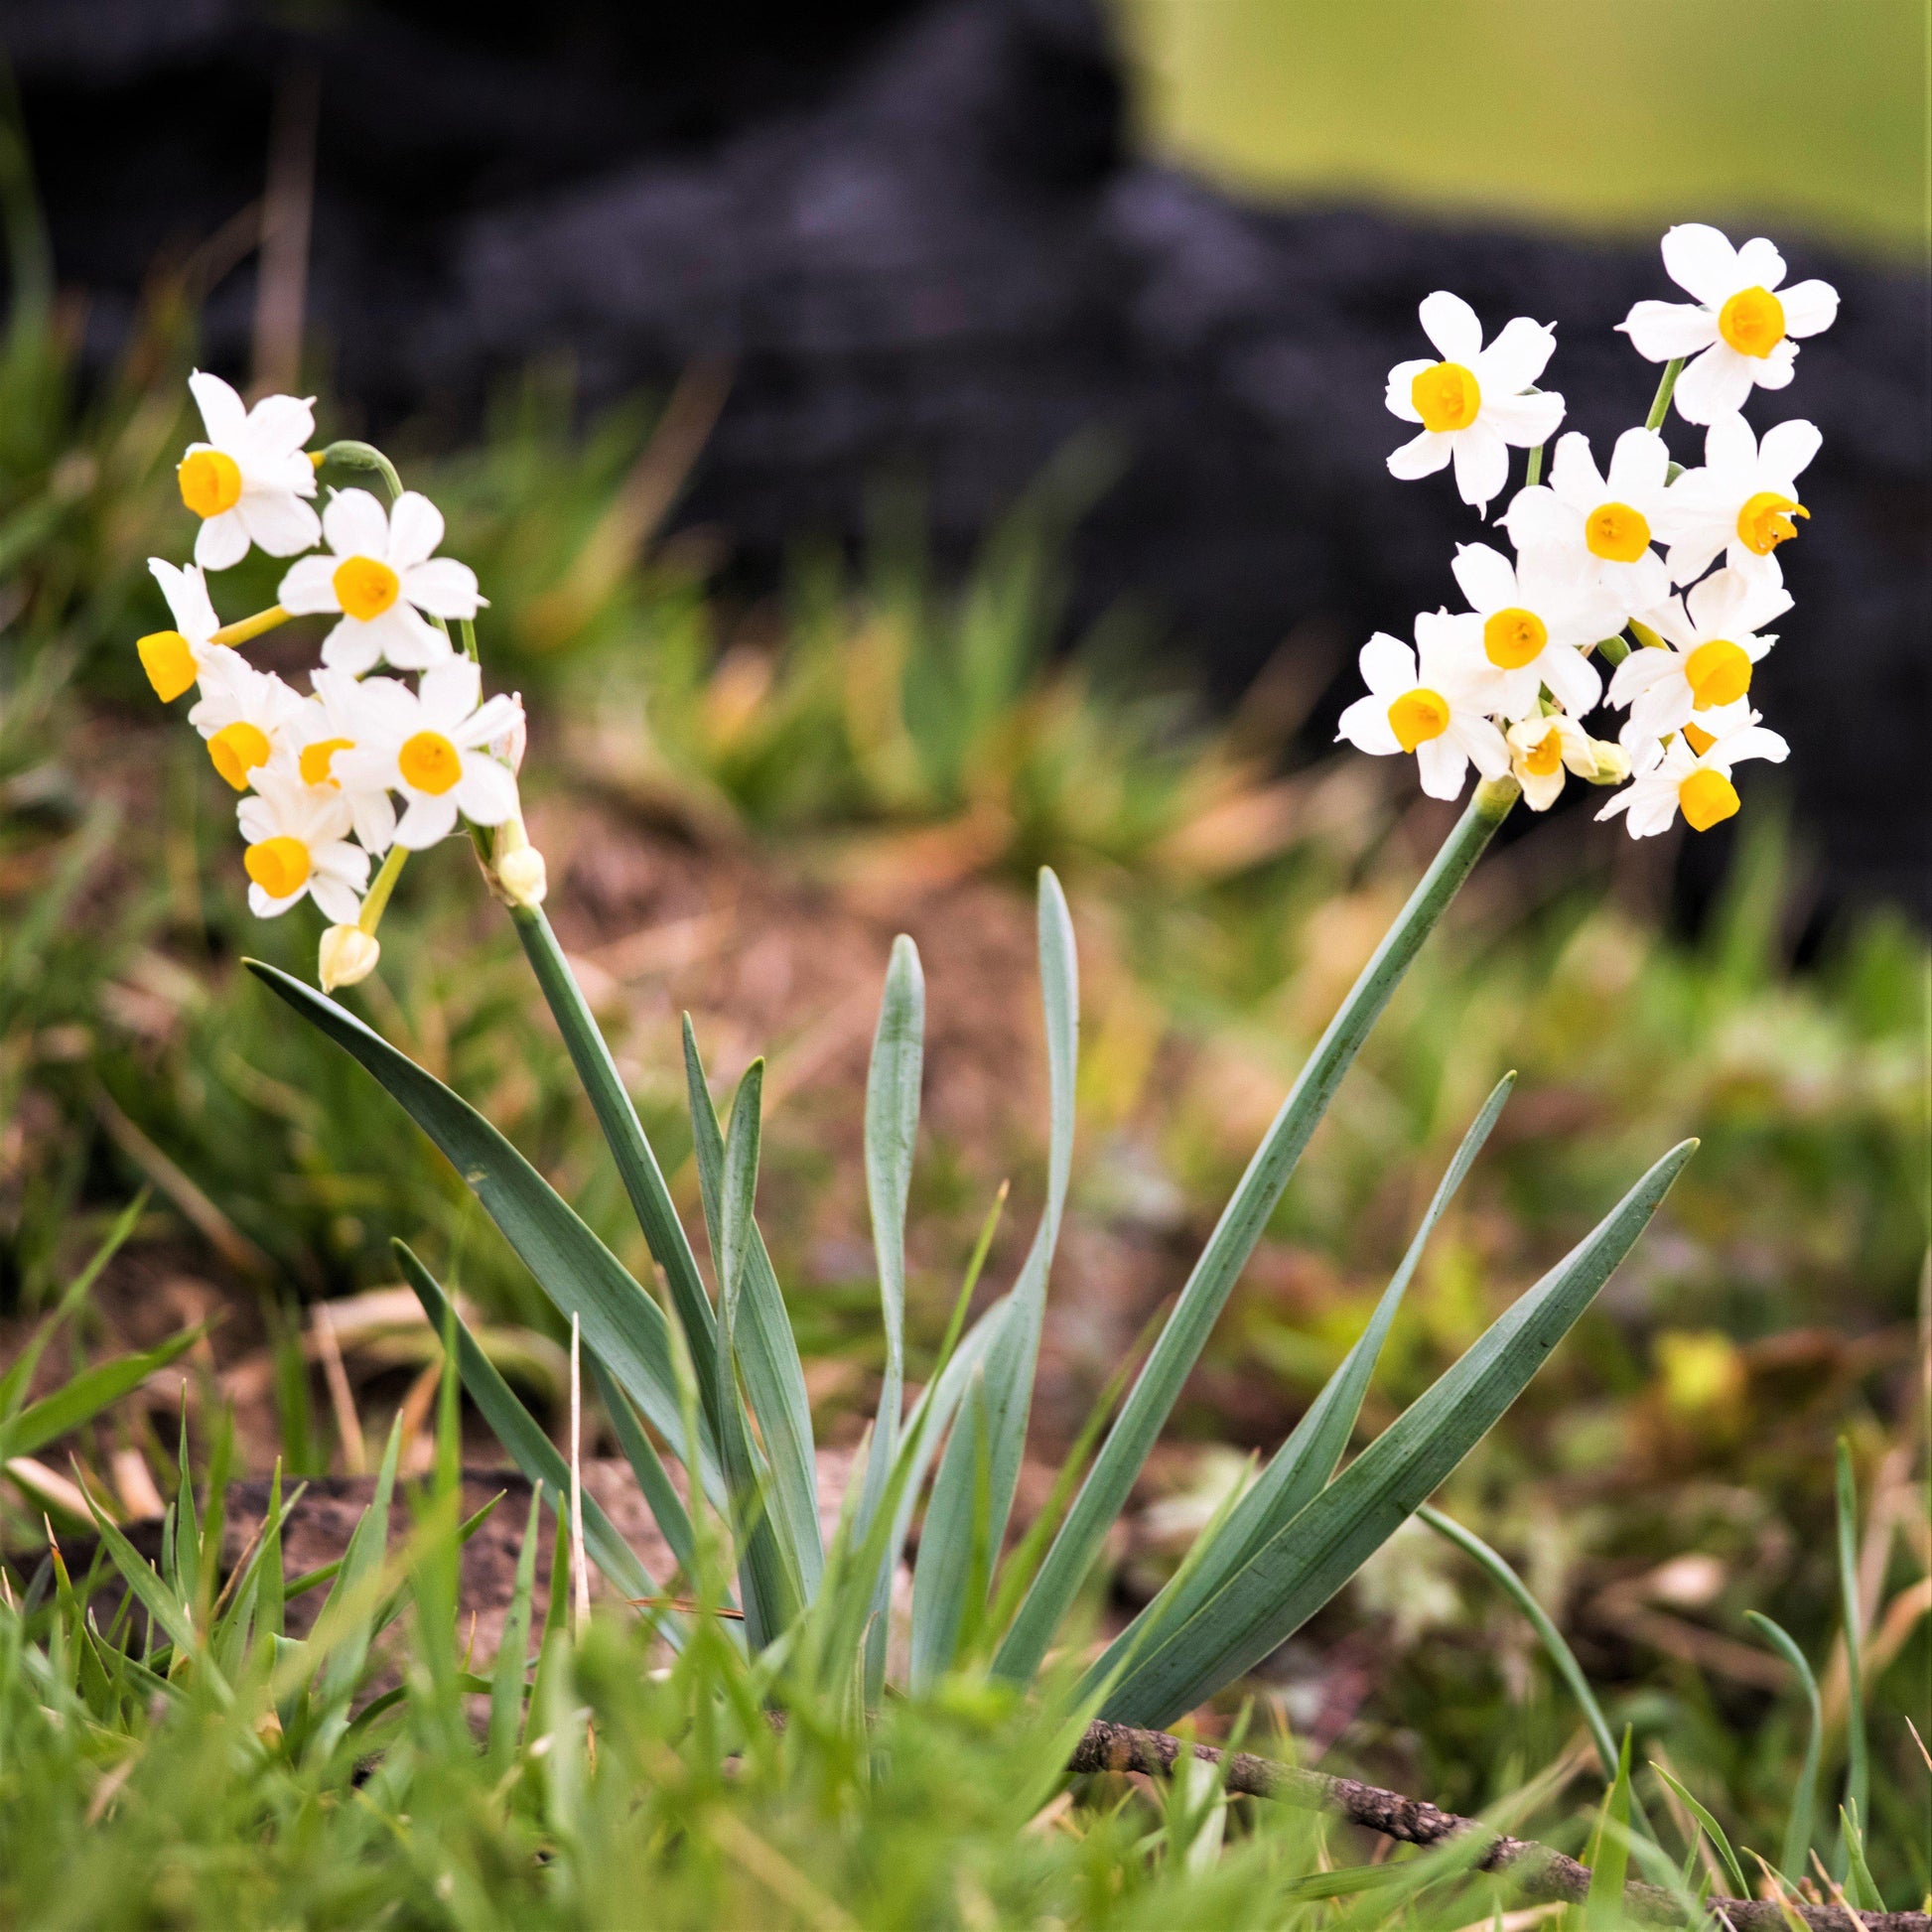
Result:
x=1667 y=575
x=359 y=768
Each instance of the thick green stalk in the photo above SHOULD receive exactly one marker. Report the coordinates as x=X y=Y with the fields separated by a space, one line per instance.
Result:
x=643 y=1180
x=1661 y=402
x=1159 y=1384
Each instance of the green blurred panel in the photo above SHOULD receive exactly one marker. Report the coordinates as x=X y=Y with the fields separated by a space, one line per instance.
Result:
x=1615 y=115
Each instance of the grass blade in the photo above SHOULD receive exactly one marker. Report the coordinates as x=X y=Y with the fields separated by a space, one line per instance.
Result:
x=1305 y=1462
x=507 y=1680
x=529 y=1447
x=1857 y=1774
x=1794 y=1859
x=1306 y=1561
x=1158 y=1385
x=666 y=1505
x=1609 y=1857
x=581 y=1276
x=89 y=1392
x=1713 y=1829
x=941 y=1579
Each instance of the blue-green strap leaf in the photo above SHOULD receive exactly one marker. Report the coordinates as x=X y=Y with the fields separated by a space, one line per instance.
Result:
x=581 y=1276
x=1312 y=1557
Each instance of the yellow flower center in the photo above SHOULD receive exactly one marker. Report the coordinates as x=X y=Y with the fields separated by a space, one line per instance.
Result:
x=237 y=750
x=169 y=663
x=316 y=759
x=210 y=481
x=1616 y=533
x=430 y=763
x=1447 y=396
x=280 y=866
x=1752 y=323
x=1717 y=673
x=1698 y=739
x=1418 y=716
x=1513 y=638
x=1707 y=799
x=1765 y=521
x=1544 y=756
x=365 y=587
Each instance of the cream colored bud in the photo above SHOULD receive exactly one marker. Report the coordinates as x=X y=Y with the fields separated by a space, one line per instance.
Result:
x=523 y=876
x=1612 y=762
x=347 y=955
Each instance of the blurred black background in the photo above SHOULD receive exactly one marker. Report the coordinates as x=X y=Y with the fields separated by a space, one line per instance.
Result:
x=922 y=239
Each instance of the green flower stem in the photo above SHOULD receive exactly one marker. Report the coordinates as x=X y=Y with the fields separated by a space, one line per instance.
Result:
x=243 y=628
x=363 y=456
x=1533 y=469
x=1159 y=1384
x=1666 y=383
x=643 y=1178
x=377 y=897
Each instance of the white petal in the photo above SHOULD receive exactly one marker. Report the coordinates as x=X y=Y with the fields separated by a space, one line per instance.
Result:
x=1729 y=452
x=427 y=822
x=409 y=641
x=1525 y=421
x=1809 y=308
x=265 y=908
x=1442 y=766
x=373 y=814
x=188 y=600
x=280 y=524
x=1693 y=554
x=338 y=899
x=349 y=647
x=1388 y=667
x=1516 y=358
x=1662 y=331
x=223 y=411
x=1450 y=324
x=280 y=425
x=354 y=522
x=488 y=720
x=309 y=585
x=1538 y=518
x=1485 y=576
x=1700 y=260
x=257 y=818
x=1484 y=744
x=1777 y=368
x=1574 y=681
x=1638 y=465
x=1399 y=394
x=449 y=691
x=442 y=587
x=1574 y=474
x=1423 y=456
x=1759 y=265
x=1716 y=383
x=1365 y=724
x=1481 y=464
x=1753 y=742
x=415 y=529
x=486 y=793
x=1788 y=448
x=221 y=542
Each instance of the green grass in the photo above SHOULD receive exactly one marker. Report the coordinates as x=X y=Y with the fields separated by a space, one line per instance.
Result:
x=1625 y=117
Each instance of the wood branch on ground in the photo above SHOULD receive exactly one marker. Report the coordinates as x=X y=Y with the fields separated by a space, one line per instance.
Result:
x=1539 y=1872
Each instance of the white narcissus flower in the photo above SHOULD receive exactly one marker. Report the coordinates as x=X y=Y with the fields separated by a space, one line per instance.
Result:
x=1694 y=780
x=1602 y=527
x=1713 y=642
x=1425 y=707
x=382 y=578
x=298 y=845
x=250 y=480
x=344 y=715
x=1742 y=501
x=433 y=752
x=1523 y=630
x=1540 y=750
x=1740 y=332
x=246 y=716
x=177 y=659
x=1472 y=404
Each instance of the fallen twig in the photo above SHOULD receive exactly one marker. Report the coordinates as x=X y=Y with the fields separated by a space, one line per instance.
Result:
x=1537 y=1870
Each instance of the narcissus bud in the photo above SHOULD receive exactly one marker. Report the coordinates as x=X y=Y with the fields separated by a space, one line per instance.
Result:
x=347 y=955
x=524 y=876
x=1612 y=762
